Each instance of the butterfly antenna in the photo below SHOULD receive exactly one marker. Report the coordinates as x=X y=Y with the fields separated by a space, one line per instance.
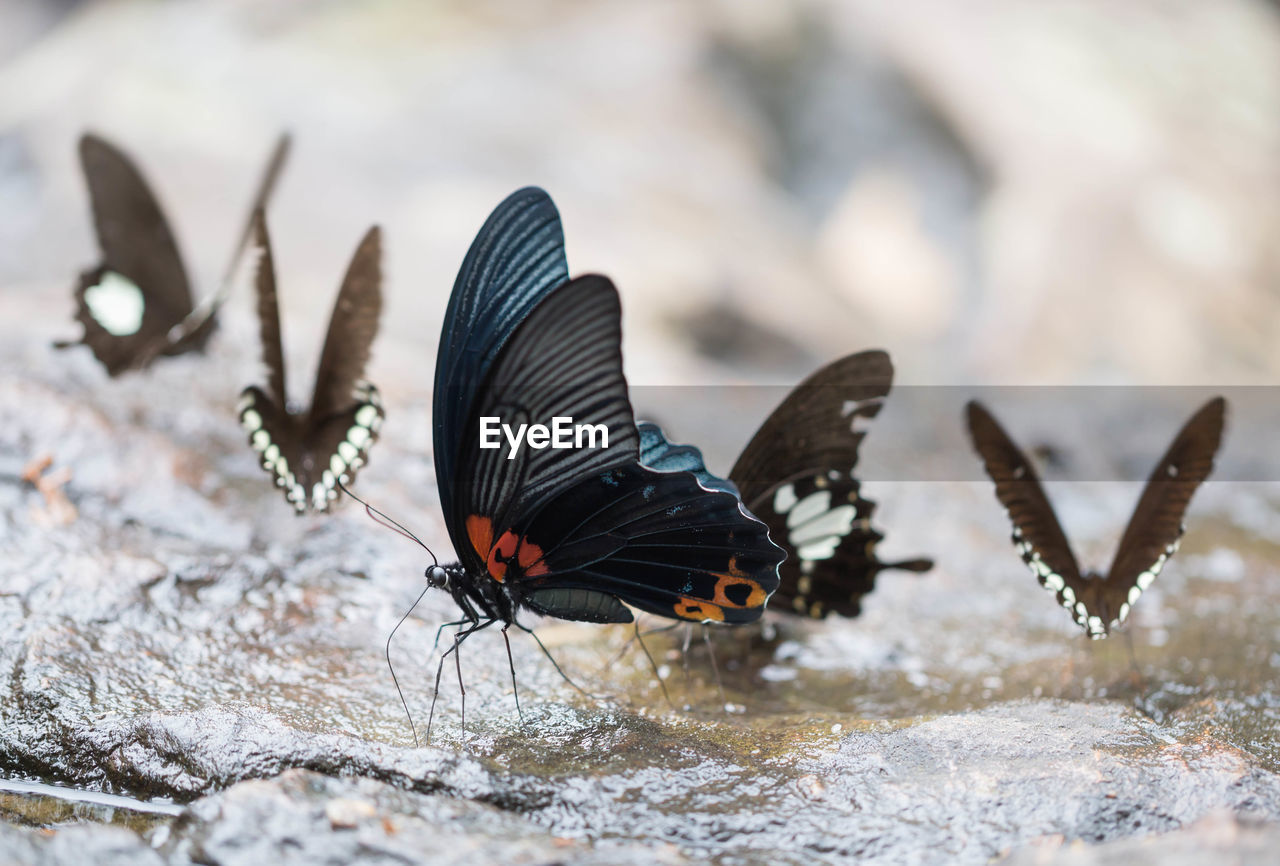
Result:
x=383 y=520
x=392 y=668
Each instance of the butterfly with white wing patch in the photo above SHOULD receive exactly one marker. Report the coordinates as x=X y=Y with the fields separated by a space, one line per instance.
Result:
x=796 y=475
x=135 y=304
x=1099 y=603
x=310 y=453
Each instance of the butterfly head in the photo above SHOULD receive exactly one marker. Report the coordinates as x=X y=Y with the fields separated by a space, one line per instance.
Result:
x=437 y=577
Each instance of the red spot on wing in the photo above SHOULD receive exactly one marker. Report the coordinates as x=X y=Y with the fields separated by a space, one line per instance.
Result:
x=497 y=556
x=480 y=531
x=530 y=559
x=501 y=554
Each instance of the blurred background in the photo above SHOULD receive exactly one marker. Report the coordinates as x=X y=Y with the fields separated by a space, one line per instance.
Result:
x=998 y=192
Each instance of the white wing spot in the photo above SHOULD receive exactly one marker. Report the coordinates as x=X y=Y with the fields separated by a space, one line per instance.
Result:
x=116 y=303
x=784 y=499
x=809 y=507
x=836 y=522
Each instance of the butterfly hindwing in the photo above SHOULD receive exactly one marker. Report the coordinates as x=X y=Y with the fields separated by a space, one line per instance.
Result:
x=1155 y=528
x=559 y=522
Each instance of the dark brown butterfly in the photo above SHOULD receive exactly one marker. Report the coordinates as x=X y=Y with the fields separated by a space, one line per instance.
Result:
x=136 y=303
x=310 y=452
x=796 y=475
x=1096 y=602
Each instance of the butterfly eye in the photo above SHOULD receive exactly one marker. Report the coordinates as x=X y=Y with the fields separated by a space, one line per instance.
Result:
x=437 y=577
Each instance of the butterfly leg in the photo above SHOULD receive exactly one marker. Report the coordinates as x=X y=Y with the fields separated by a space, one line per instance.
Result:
x=546 y=652
x=1133 y=659
x=652 y=664
x=435 y=692
x=511 y=662
x=436 y=643
x=458 y=638
x=715 y=668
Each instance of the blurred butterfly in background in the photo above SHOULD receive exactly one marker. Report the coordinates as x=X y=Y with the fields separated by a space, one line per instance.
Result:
x=1099 y=603
x=309 y=452
x=136 y=303
x=582 y=533
x=796 y=475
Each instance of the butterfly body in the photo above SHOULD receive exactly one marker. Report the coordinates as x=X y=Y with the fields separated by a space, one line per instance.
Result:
x=309 y=452
x=1100 y=601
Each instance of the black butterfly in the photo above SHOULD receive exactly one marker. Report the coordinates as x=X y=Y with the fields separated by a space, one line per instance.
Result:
x=1096 y=602
x=796 y=474
x=136 y=303
x=309 y=453
x=577 y=533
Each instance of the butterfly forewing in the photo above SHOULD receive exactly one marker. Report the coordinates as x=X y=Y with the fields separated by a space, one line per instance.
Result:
x=140 y=290
x=1156 y=526
x=514 y=261
x=814 y=429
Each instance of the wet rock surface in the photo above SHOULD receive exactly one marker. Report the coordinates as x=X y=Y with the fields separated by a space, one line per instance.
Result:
x=168 y=629
x=197 y=657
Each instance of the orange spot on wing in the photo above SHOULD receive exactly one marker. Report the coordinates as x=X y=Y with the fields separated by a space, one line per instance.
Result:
x=755 y=592
x=699 y=611
x=530 y=559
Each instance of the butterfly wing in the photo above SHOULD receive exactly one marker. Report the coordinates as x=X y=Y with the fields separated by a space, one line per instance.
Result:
x=658 y=453
x=811 y=432
x=796 y=475
x=1155 y=529
x=585 y=522
x=140 y=290
x=197 y=327
x=346 y=412
x=1036 y=531
x=514 y=261
x=273 y=433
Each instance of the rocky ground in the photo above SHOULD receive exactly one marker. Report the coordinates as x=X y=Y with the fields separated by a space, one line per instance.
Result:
x=172 y=635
